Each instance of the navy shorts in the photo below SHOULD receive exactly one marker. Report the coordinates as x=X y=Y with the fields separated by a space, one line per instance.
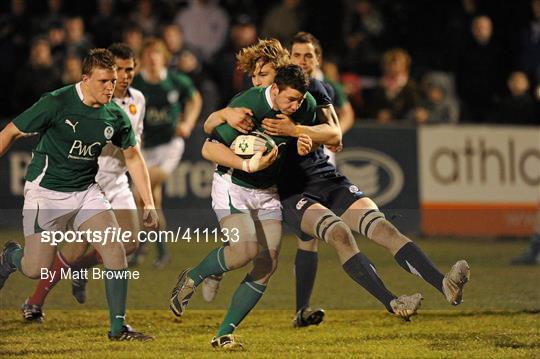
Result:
x=336 y=196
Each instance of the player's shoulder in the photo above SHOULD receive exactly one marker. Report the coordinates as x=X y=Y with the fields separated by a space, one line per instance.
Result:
x=311 y=103
x=61 y=95
x=137 y=95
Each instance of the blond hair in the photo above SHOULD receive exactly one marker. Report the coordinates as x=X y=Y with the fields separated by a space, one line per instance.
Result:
x=157 y=44
x=269 y=51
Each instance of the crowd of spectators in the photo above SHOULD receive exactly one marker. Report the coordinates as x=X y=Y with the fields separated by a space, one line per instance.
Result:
x=399 y=61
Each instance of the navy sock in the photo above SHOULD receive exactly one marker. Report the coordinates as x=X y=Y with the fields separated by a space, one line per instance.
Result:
x=362 y=271
x=305 y=270
x=414 y=261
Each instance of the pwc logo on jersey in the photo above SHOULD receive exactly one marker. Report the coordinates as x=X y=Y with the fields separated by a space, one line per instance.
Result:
x=376 y=174
x=83 y=151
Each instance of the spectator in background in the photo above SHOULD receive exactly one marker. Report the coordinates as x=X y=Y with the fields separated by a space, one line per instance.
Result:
x=205 y=25
x=478 y=70
x=144 y=16
x=72 y=70
x=283 y=21
x=518 y=106
x=530 y=45
x=396 y=94
x=54 y=14
x=438 y=103
x=229 y=78
x=77 y=41
x=134 y=38
x=37 y=77
x=56 y=35
x=14 y=36
x=183 y=57
x=363 y=27
x=105 y=26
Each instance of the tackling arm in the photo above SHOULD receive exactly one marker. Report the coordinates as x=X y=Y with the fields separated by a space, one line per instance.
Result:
x=224 y=156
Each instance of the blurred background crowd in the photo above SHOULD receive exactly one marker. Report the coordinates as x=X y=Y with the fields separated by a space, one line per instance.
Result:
x=399 y=61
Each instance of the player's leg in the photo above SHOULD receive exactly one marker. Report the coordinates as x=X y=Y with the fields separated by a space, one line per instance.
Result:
x=364 y=217
x=96 y=217
x=62 y=262
x=320 y=222
x=251 y=289
x=305 y=264
x=240 y=251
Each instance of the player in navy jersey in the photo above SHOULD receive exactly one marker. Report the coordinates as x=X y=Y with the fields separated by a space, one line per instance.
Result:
x=318 y=182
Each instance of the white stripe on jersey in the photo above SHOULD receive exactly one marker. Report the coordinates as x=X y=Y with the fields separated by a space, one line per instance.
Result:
x=111 y=160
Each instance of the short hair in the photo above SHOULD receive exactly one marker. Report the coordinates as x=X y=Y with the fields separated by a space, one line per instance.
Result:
x=269 y=51
x=121 y=51
x=291 y=76
x=98 y=58
x=157 y=44
x=303 y=37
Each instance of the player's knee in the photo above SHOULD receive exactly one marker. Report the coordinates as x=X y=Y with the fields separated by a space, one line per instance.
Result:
x=340 y=234
x=33 y=271
x=331 y=228
x=131 y=247
x=244 y=253
x=371 y=221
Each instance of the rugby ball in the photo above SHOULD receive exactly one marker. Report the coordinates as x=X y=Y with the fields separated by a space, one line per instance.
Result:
x=246 y=146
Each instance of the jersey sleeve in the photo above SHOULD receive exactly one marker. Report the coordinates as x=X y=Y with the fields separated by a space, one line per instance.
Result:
x=185 y=87
x=124 y=136
x=38 y=117
x=224 y=134
x=319 y=93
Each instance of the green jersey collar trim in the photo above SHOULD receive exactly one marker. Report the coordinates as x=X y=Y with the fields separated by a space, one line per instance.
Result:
x=268 y=97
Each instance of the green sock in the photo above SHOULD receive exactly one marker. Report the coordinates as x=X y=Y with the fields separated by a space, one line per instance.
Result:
x=116 y=290
x=14 y=258
x=213 y=263
x=244 y=299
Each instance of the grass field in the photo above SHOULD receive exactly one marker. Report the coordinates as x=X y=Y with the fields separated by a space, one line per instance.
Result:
x=498 y=319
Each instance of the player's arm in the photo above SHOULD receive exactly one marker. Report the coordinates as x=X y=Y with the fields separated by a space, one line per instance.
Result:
x=327 y=133
x=8 y=136
x=190 y=115
x=139 y=174
x=346 y=116
x=219 y=153
x=238 y=118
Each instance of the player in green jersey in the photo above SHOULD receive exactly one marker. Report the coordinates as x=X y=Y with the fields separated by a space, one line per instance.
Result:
x=173 y=106
x=245 y=199
x=74 y=124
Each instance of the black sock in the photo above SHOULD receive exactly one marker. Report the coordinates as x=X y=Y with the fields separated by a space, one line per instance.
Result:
x=305 y=269
x=362 y=271
x=414 y=261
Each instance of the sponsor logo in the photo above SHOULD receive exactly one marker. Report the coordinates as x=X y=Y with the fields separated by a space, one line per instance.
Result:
x=82 y=151
x=69 y=123
x=132 y=109
x=108 y=132
x=301 y=203
x=376 y=174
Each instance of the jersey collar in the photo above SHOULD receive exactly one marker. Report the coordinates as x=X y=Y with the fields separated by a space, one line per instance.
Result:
x=268 y=97
x=79 y=91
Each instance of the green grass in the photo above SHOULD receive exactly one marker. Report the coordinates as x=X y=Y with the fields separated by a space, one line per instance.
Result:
x=498 y=319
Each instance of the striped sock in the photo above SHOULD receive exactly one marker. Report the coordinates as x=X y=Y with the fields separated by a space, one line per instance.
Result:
x=213 y=263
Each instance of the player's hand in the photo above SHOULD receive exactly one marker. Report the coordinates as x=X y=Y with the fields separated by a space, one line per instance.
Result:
x=259 y=162
x=183 y=130
x=304 y=144
x=150 y=218
x=283 y=126
x=239 y=118
x=335 y=149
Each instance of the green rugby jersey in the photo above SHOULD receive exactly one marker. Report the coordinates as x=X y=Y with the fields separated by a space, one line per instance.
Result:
x=72 y=135
x=164 y=104
x=257 y=99
x=340 y=97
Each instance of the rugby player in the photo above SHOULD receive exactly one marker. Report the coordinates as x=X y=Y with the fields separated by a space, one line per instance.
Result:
x=245 y=199
x=75 y=123
x=112 y=179
x=173 y=106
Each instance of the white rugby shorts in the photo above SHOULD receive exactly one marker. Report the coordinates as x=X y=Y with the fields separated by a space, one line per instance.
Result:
x=165 y=156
